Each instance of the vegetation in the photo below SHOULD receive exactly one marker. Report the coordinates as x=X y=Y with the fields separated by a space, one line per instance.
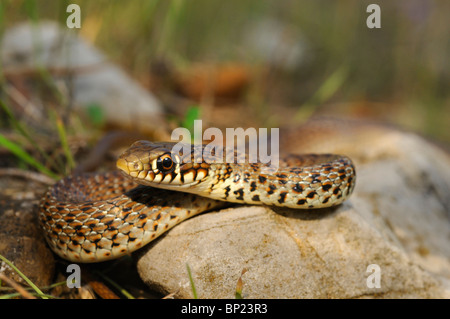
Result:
x=399 y=73
x=304 y=57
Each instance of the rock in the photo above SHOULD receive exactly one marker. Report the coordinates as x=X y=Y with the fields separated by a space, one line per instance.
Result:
x=21 y=239
x=226 y=82
x=275 y=43
x=76 y=63
x=397 y=219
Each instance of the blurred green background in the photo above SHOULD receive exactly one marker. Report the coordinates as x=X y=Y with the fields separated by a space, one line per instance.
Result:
x=305 y=56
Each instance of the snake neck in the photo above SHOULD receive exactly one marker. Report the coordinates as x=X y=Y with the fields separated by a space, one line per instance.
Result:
x=300 y=181
x=288 y=187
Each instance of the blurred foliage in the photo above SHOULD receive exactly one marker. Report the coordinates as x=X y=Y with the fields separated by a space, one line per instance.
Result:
x=399 y=73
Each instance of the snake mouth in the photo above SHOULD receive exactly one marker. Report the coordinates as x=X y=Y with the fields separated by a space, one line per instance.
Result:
x=181 y=176
x=154 y=164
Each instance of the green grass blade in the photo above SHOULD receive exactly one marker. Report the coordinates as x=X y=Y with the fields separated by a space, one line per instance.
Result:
x=28 y=281
x=116 y=285
x=23 y=155
x=10 y=296
x=19 y=127
x=65 y=145
x=325 y=92
x=16 y=294
x=7 y=289
x=191 y=280
x=193 y=113
x=240 y=285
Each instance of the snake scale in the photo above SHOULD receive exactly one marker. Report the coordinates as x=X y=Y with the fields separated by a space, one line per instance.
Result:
x=93 y=217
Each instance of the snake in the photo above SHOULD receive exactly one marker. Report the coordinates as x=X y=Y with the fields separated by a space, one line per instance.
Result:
x=94 y=217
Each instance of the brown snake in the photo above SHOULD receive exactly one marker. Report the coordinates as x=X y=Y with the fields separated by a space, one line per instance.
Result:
x=102 y=216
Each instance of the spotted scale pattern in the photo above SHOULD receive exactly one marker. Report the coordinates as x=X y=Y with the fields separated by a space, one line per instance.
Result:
x=317 y=181
x=301 y=181
x=97 y=217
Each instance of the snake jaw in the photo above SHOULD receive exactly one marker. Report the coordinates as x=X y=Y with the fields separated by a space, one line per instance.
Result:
x=144 y=163
x=303 y=181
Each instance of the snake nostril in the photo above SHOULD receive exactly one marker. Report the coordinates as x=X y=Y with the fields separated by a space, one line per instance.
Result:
x=137 y=166
x=122 y=164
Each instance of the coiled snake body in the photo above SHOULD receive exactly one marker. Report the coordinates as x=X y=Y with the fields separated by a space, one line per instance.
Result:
x=101 y=216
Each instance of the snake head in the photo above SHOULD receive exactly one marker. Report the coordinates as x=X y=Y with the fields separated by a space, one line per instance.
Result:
x=162 y=164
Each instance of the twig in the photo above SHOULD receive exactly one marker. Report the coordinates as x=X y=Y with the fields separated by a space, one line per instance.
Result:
x=38 y=177
x=17 y=287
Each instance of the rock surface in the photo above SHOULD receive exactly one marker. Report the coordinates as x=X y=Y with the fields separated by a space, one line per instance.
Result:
x=397 y=219
x=21 y=239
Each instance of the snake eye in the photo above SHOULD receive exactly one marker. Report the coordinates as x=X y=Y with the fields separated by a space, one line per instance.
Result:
x=165 y=162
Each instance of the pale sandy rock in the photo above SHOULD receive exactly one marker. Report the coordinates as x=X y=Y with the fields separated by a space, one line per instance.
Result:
x=397 y=218
x=73 y=61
